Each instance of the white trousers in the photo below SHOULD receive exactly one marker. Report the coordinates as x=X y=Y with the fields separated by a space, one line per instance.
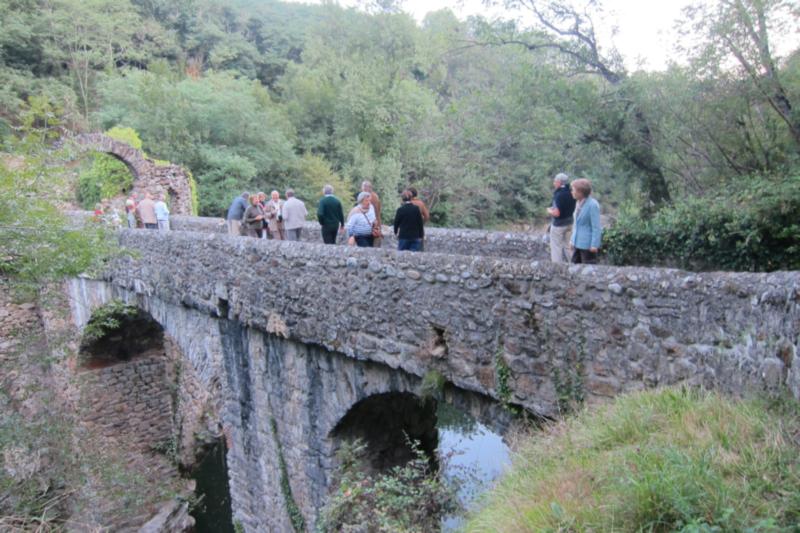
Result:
x=559 y=243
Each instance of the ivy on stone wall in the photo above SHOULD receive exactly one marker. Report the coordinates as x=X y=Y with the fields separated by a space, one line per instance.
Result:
x=292 y=509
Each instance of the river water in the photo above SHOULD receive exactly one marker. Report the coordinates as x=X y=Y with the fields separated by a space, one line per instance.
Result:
x=471 y=454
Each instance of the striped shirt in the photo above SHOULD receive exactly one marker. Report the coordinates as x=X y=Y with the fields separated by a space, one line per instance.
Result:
x=360 y=223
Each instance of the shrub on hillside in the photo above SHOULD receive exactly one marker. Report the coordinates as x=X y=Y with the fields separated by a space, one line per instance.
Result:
x=667 y=460
x=748 y=226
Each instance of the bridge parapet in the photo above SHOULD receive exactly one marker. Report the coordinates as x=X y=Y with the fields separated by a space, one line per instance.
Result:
x=529 y=333
x=438 y=240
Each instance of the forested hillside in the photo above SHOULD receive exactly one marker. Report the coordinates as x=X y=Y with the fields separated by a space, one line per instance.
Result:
x=477 y=114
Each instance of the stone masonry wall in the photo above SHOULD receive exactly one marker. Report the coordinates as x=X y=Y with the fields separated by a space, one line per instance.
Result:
x=558 y=329
x=273 y=391
x=437 y=240
x=130 y=401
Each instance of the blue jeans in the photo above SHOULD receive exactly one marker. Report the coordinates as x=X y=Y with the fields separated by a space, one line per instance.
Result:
x=412 y=245
x=364 y=241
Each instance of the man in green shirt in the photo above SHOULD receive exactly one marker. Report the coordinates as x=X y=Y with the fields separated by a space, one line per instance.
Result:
x=330 y=215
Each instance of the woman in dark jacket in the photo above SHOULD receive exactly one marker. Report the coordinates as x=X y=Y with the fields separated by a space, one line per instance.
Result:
x=253 y=221
x=408 y=225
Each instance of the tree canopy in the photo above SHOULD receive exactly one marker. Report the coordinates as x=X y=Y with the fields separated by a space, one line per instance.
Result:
x=477 y=114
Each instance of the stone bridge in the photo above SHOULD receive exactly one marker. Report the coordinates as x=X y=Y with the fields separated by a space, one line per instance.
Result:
x=292 y=347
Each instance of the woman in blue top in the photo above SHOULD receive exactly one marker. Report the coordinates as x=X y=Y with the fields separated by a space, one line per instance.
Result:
x=586 y=231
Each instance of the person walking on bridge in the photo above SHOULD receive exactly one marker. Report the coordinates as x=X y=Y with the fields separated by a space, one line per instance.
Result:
x=561 y=211
x=360 y=222
x=147 y=212
x=236 y=213
x=294 y=216
x=330 y=215
x=162 y=213
x=587 y=231
x=274 y=213
x=253 y=218
x=408 y=225
x=423 y=209
x=375 y=201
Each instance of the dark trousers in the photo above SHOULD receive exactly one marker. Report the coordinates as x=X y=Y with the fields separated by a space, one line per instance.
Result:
x=364 y=241
x=329 y=234
x=151 y=226
x=584 y=256
x=412 y=245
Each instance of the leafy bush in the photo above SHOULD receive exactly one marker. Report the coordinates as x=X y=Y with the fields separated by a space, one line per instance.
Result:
x=107 y=177
x=408 y=498
x=667 y=460
x=750 y=226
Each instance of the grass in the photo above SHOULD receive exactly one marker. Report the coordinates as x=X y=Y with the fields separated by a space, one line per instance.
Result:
x=656 y=461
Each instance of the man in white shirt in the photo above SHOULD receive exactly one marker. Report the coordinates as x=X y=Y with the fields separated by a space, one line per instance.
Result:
x=294 y=216
x=162 y=213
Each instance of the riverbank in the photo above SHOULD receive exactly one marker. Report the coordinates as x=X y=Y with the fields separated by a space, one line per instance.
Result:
x=664 y=460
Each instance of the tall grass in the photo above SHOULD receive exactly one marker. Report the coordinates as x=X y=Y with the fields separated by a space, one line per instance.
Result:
x=666 y=460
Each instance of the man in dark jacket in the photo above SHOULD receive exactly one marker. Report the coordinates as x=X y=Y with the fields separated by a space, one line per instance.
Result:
x=408 y=225
x=330 y=215
x=236 y=213
x=561 y=210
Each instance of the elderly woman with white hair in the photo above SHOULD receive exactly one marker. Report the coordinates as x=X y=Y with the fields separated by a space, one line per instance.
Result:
x=360 y=222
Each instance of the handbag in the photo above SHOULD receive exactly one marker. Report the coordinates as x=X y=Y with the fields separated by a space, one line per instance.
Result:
x=376 y=228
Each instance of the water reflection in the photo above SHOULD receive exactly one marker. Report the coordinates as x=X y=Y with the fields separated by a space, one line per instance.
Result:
x=212 y=513
x=473 y=454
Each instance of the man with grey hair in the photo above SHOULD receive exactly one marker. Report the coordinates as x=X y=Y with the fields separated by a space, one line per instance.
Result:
x=561 y=212
x=330 y=215
x=294 y=216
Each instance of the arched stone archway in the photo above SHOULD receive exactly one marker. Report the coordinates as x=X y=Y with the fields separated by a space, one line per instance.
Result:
x=388 y=423
x=171 y=181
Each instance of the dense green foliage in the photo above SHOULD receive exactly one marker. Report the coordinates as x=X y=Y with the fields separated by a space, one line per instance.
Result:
x=407 y=498
x=668 y=460
x=477 y=114
x=752 y=225
x=37 y=243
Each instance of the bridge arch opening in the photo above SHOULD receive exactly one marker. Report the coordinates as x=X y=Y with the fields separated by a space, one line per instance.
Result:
x=117 y=332
x=388 y=423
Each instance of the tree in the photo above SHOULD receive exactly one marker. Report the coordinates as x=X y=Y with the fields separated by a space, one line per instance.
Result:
x=741 y=30
x=569 y=32
x=90 y=35
x=37 y=243
x=228 y=131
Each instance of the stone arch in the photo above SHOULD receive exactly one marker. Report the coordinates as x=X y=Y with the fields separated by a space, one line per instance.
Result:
x=385 y=422
x=194 y=375
x=171 y=181
x=117 y=333
x=126 y=391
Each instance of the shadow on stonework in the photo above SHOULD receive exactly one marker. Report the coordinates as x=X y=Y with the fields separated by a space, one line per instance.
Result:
x=117 y=332
x=386 y=423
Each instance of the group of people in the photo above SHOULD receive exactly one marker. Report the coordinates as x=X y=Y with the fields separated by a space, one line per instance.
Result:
x=575 y=229
x=254 y=216
x=150 y=212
